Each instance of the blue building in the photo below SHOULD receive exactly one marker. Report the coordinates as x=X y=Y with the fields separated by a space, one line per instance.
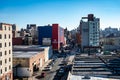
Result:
x=44 y=35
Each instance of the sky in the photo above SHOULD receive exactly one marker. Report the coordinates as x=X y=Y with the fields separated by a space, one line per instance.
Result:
x=67 y=13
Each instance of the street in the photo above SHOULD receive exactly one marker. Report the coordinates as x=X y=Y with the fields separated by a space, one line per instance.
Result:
x=58 y=63
x=50 y=74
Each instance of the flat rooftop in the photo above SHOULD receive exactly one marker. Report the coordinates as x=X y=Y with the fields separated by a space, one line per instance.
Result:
x=24 y=54
x=29 y=48
x=102 y=66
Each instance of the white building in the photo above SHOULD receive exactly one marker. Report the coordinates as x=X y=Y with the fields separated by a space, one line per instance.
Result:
x=90 y=31
x=6 y=51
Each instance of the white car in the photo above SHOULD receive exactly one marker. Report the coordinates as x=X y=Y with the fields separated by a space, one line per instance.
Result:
x=47 y=68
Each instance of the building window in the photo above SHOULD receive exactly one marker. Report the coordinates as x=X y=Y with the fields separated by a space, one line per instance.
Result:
x=9 y=36
x=5 y=60
x=1 y=71
x=5 y=27
x=5 y=44
x=0 y=36
x=0 y=45
x=9 y=59
x=0 y=62
x=9 y=66
x=9 y=44
x=0 y=54
x=5 y=36
x=9 y=51
x=5 y=52
x=5 y=68
x=9 y=28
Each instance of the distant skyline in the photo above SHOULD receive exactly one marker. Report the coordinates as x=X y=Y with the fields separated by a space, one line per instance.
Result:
x=67 y=13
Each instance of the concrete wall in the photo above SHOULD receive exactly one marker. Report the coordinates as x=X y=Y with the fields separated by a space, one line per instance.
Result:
x=37 y=60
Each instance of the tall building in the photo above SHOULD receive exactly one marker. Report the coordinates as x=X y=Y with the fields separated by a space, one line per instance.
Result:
x=6 y=51
x=90 y=32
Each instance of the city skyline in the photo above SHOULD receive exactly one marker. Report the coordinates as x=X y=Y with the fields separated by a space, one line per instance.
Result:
x=67 y=13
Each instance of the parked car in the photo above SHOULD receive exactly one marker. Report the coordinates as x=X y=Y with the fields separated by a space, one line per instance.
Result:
x=42 y=75
x=47 y=68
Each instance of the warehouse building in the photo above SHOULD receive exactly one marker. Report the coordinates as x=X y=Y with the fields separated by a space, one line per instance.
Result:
x=28 y=59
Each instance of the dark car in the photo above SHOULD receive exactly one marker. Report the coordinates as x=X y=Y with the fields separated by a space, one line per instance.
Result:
x=61 y=72
x=42 y=74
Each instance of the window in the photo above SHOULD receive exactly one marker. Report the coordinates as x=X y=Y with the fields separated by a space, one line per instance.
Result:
x=9 y=52
x=9 y=66
x=9 y=28
x=0 y=54
x=5 y=68
x=5 y=27
x=5 y=60
x=5 y=36
x=0 y=45
x=9 y=44
x=1 y=71
x=0 y=36
x=9 y=59
x=5 y=52
x=0 y=62
x=5 y=45
x=9 y=36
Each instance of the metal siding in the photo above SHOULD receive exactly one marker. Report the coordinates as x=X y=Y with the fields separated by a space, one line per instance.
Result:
x=44 y=32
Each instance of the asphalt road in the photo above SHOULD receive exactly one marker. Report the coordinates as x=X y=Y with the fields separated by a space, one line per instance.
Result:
x=50 y=74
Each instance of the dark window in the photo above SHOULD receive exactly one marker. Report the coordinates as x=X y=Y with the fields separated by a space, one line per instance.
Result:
x=9 y=28
x=9 y=52
x=9 y=66
x=0 y=45
x=0 y=62
x=9 y=59
x=5 y=52
x=5 y=36
x=1 y=72
x=9 y=36
x=9 y=44
x=5 y=44
x=5 y=68
x=0 y=36
x=0 y=53
x=5 y=60
x=5 y=27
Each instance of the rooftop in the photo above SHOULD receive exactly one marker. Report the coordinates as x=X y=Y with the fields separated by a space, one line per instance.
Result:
x=24 y=54
x=27 y=51
x=29 y=48
x=96 y=66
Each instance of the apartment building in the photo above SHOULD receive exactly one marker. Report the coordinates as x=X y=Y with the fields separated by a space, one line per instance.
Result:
x=6 y=51
x=90 y=32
